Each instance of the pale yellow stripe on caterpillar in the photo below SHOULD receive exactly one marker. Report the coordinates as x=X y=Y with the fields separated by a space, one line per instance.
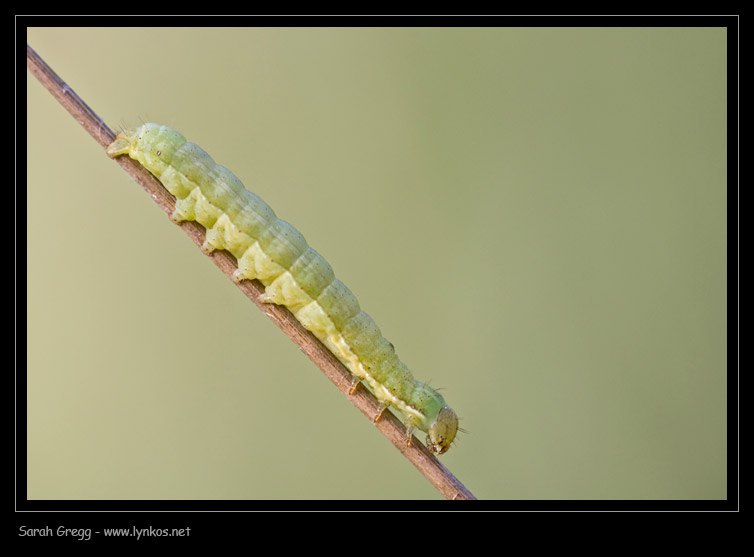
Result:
x=272 y=251
x=340 y=347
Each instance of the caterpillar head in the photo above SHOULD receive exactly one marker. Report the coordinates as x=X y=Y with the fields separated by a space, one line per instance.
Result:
x=442 y=431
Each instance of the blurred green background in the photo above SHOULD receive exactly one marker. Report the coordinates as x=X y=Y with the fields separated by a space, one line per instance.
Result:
x=536 y=218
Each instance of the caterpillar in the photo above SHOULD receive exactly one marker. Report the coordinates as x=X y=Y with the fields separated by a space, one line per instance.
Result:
x=294 y=275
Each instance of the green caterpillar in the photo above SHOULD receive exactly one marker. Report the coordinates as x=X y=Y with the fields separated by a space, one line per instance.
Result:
x=294 y=275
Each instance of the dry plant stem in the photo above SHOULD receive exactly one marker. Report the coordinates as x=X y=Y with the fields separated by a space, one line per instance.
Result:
x=388 y=424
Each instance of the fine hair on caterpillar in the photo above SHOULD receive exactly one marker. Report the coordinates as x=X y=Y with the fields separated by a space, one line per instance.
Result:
x=294 y=275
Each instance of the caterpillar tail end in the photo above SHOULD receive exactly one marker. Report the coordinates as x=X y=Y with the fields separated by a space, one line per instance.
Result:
x=125 y=141
x=119 y=147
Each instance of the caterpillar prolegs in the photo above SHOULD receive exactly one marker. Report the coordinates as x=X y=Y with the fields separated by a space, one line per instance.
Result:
x=294 y=275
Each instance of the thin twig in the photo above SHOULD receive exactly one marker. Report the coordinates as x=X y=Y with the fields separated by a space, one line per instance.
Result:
x=389 y=425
